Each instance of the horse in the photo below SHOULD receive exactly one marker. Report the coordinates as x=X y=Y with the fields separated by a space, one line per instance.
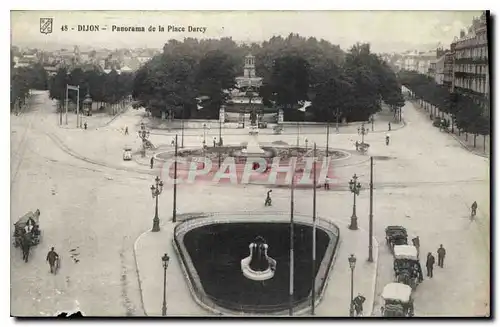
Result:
x=26 y=245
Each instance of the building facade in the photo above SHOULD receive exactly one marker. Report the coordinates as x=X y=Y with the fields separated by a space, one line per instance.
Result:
x=448 y=70
x=418 y=61
x=439 y=70
x=471 y=63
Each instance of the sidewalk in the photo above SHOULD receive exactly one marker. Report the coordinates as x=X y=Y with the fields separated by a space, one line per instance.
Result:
x=193 y=127
x=150 y=247
x=482 y=147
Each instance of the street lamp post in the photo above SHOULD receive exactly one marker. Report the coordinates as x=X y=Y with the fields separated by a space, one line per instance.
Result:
x=155 y=192
x=165 y=259
x=370 y=226
x=327 y=136
x=337 y=116
x=362 y=131
x=182 y=129
x=352 y=265
x=204 y=135
x=174 y=206
x=354 y=187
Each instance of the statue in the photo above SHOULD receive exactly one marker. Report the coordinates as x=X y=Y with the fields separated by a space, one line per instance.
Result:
x=258 y=265
x=253 y=118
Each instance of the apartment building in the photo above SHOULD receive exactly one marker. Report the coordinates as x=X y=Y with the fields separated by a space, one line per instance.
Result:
x=470 y=65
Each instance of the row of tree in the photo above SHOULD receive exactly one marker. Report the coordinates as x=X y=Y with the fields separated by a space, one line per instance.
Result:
x=111 y=88
x=22 y=80
x=466 y=113
x=294 y=70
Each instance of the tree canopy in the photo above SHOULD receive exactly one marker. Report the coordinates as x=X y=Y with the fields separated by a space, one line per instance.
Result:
x=294 y=69
x=467 y=114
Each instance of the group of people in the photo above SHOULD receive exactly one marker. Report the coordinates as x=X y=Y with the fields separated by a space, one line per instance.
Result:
x=431 y=260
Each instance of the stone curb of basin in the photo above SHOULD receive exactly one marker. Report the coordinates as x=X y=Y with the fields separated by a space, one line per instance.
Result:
x=370 y=297
x=170 y=151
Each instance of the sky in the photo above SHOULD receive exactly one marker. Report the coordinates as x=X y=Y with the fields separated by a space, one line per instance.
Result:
x=387 y=31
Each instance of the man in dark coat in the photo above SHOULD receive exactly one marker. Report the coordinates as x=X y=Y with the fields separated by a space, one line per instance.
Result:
x=152 y=161
x=473 y=209
x=52 y=257
x=389 y=126
x=268 y=199
x=358 y=304
x=441 y=254
x=430 y=264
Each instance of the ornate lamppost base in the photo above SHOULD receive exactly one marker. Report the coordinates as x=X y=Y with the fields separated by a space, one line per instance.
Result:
x=156 y=224
x=354 y=223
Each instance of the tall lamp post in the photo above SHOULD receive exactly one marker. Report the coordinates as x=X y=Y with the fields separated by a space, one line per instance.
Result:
x=165 y=259
x=362 y=131
x=337 y=117
x=204 y=134
x=174 y=206
x=370 y=230
x=182 y=129
x=352 y=265
x=155 y=191
x=327 y=136
x=354 y=187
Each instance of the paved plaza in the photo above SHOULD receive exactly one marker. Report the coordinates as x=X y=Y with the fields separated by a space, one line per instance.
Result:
x=96 y=205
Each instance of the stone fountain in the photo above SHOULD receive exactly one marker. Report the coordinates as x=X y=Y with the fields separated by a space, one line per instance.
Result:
x=258 y=265
x=253 y=148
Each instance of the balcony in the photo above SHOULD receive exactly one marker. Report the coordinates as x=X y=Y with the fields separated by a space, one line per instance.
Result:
x=470 y=75
x=473 y=61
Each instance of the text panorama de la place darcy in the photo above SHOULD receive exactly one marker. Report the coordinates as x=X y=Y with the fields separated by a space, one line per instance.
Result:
x=150 y=28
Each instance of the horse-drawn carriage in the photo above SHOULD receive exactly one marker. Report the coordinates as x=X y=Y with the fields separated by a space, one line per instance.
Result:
x=407 y=268
x=398 y=300
x=28 y=228
x=396 y=235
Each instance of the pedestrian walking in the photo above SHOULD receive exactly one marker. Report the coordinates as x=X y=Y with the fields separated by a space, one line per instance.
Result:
x=389 y=124
x=441 y=254
x=52 y=258
x=152 y=161
x=85 y=125
x=327 y=183
x=126 y=130
x=357 y=146
x=358 y=304
x=430 y=264
x=215 y=141
x=268 y=201
x=473 y=209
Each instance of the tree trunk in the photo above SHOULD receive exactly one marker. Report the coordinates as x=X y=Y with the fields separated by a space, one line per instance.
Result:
x=452 y=125
x=466 y=136
x=484 y=143
x=475 y=135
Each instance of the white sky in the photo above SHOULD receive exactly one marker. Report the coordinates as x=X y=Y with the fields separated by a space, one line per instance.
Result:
x=385 y=30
